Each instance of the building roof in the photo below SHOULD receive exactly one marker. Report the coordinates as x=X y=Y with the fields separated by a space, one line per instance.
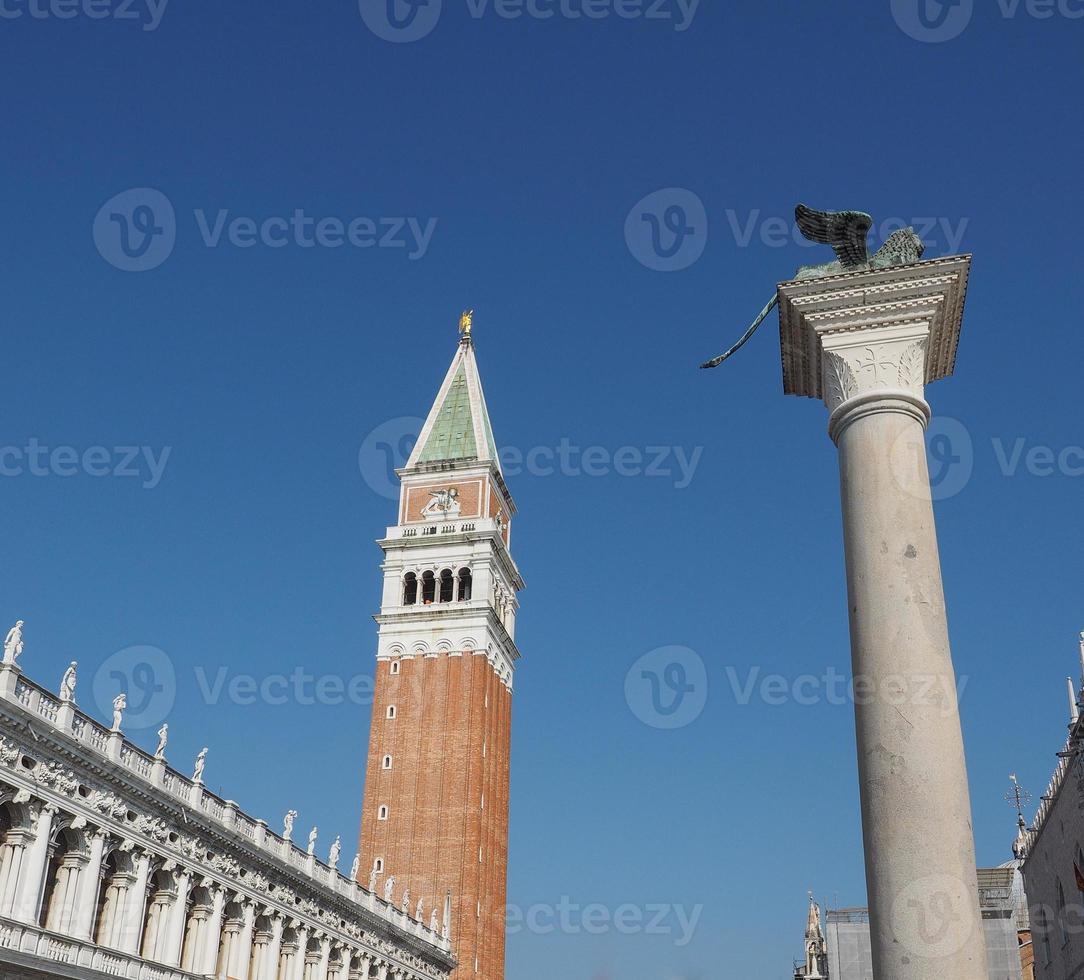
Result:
x=458 y=429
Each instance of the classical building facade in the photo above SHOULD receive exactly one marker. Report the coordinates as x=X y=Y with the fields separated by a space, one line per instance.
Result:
x=435 y=814
x=1052 y=857
x=113 y=864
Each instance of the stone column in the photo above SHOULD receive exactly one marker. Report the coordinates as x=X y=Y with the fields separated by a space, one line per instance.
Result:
x=178 y=916
x=64 y=903
x=12 y=856
x=297 y=971
x=209 y=962
x=243 y=951
x=31 y=884
x=868 y=342
x=135 y=905
x=269 y=961
x=89 y=888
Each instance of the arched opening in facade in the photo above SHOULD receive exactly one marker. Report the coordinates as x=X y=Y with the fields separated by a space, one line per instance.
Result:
x=466 y=583
x=62 y=880
x=410 y=589
x=447 y=586
x=429 y=588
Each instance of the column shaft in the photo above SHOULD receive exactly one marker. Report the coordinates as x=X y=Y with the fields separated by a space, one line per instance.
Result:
x=916 y=812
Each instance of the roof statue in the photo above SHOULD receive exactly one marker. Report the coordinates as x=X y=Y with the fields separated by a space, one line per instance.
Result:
x=847 y=232
x=466 y=324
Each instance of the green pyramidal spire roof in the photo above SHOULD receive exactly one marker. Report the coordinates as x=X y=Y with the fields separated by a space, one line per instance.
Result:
x=458 y=426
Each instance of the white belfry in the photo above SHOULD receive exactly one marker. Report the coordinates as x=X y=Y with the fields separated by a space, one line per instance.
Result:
x=868 y=342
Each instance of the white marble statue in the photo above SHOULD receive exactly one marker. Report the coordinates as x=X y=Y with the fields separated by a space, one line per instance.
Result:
x=13 y=644
x=419 y=911
x=389 y=889
x=120 y=702
x=163 y=739
x=312 y=839
x=356 y=867
x=288 y=825
x=434 y=921
x=67 y=683
x=406 y=902
x=372 y=880
x=336 y=852
x=201 y=764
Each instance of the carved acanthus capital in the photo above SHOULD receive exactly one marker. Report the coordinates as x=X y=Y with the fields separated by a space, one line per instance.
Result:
x=872 y=364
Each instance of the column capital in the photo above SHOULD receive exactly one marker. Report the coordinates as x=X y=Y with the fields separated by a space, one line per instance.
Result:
x=881 y=332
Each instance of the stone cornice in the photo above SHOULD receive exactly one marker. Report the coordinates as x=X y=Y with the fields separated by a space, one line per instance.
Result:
x=901 y=305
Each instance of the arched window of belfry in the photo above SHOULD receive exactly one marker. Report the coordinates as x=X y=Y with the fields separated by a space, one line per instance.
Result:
x=447 y=586
x=466 y=583
x=410 y=589
x=429 y=588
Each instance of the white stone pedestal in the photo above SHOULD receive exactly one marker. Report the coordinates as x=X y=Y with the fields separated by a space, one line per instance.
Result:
x=868 y=343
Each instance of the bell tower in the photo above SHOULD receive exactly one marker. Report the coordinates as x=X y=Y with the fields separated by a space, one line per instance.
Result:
x=435 y=817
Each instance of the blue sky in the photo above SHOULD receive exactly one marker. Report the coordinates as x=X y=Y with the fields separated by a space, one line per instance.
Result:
x=262 y=364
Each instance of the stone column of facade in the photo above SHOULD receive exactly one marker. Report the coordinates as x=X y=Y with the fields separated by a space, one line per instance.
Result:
x=136 y=905
x=197 y=936
x=178 y=916
x=868 y=342
x=297 y=968
x=243 y=953
x=269 y=960
x=64 y=903
x=89 y=889
x=209 y=953
x=112 y=929
x=16 y=843
x=157 y=930
x=31 y=884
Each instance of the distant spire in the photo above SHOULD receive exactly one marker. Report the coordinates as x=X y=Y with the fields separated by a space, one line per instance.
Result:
x=446 y=929
x=1082 y=657
x=1074 y=708
x=813 y=925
